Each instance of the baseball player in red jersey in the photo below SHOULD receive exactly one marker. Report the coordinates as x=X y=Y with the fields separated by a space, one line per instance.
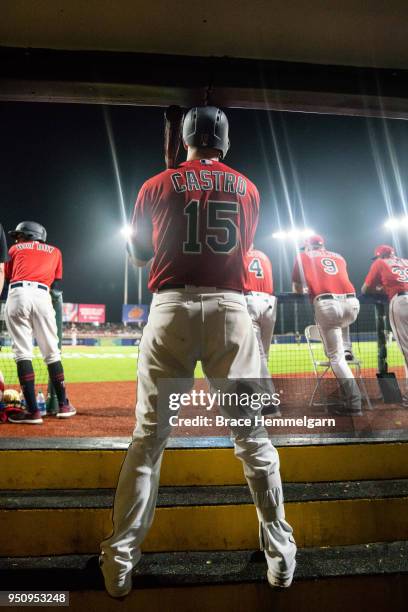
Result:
x=390 y=273
x=34 y=267
x=197 y=223
x=323 y=274
x=262 y=306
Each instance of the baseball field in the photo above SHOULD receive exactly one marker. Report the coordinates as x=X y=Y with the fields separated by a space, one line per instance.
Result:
x=98 y=364
x=101 y=385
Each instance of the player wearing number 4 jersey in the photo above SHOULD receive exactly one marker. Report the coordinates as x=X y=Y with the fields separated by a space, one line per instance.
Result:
x=323 y=274
x=197 y=223
x=389 y=274
x=262 y=306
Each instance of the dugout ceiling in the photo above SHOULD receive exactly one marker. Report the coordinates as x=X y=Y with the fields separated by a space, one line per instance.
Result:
x=345 y=56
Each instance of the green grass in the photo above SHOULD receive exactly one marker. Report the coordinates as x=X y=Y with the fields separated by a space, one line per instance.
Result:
x=118 y=363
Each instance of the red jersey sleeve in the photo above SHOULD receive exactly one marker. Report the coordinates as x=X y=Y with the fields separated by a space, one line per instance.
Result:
x=58 y=269
x=142 y=224
x=373 y=277
x=252 y=219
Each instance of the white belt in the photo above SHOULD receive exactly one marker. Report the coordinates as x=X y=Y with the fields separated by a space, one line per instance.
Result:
x=35 y=285
x=261 y=294
x=334 y=296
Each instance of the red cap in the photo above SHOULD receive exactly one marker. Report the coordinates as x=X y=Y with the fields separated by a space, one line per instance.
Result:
x=314 y=240
x=384 y=249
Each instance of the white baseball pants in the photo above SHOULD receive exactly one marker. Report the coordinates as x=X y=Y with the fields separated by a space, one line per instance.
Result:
x=398 y=314
x=333 y=317
x=262 y=308
x=183 y=327
x=29 y=313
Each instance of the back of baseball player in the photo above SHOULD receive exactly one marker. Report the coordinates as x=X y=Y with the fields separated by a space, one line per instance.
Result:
x=323 y=275
x=197 y=223
x=262 y=307
x=34 y=269
x=389 y=274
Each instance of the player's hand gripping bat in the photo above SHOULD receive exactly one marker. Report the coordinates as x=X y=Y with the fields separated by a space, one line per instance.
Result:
x=173 y=123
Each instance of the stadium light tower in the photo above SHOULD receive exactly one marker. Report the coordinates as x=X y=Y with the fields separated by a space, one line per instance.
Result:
x=126 y=232
x=395 y=223
x=293 y=234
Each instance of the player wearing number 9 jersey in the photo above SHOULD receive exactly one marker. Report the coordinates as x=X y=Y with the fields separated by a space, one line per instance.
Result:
x=389 y=273
x=323 y=275
x=197 y=223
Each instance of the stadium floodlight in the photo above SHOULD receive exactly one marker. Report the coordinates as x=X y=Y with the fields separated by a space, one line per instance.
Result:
x=394 y=223
x=127 y=231
x=293 y=234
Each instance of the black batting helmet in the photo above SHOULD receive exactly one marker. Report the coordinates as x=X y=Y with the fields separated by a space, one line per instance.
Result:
x=30 y=229
x=206 y=126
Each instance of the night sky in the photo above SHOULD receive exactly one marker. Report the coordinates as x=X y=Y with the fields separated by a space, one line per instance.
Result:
x=56 y=168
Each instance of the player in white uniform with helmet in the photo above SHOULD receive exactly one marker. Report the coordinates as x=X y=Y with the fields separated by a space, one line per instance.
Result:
x=389 y=274
x=33 y=269
x=197 y=223
x=323 y=275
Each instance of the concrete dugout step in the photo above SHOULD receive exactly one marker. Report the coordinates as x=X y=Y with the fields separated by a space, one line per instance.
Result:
x=205 y=518
x=363 y=577
x=72 y=464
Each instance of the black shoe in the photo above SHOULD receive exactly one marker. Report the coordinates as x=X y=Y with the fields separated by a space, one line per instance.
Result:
x=22 y=417
x=343 y=411
x=271 y=411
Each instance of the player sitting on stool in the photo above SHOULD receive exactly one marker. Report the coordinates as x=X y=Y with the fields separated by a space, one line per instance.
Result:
x=388 y=273
x=323 y=275
x=33 y=269
x=261 y=305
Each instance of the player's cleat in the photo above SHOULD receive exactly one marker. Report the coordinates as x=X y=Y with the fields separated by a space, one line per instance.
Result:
x=349 y=355
x=404 y=402
x=344 y=411
x=118 y=579
x=66 y=411
x=279 y=583
x=24 y=417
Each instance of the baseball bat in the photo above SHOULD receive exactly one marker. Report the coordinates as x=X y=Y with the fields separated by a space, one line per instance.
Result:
x=173 y=123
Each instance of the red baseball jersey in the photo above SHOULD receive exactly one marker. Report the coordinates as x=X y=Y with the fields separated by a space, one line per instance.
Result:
x=199 y=221
x=34 y=261
x=391 y=274
x=322 y=271
x=258 y=272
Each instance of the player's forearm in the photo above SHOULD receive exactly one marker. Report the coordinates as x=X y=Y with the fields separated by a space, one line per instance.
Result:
x=298 y=288
x=139 y=263
x=371 y=289
x=139 y=255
